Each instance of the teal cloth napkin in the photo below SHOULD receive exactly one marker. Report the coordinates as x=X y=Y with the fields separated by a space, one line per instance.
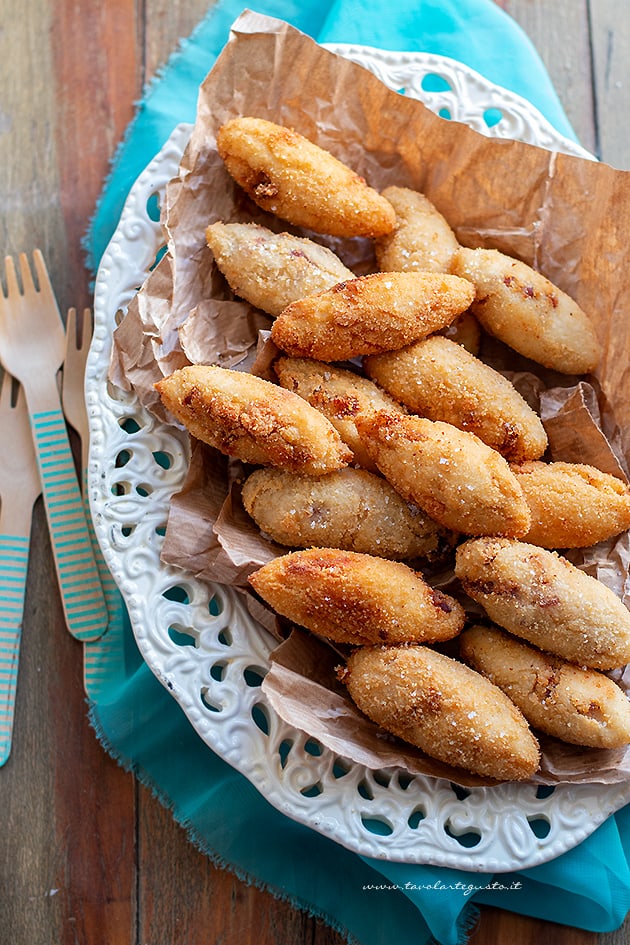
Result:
x=370 y=901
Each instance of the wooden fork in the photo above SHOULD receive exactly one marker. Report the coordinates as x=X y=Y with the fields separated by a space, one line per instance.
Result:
x=32 y=342
x=77 y=346
x=19 y=487
x=101 y=657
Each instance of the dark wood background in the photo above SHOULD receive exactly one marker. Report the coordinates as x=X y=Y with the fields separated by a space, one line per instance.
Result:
x=87 y=856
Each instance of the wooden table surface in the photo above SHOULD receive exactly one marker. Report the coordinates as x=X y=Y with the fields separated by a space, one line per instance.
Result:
x=87 y=855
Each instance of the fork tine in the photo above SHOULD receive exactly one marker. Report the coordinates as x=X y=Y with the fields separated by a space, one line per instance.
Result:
x=5 y=391
x=87 y=327
x=13 y=287
x=78 y=331
x=71 y=328
x=45 y=286
x=20 y=399
x=8 y=384
x=26 y=273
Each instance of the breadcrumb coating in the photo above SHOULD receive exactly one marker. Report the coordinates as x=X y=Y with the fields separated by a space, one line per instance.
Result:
x=465 y=331
x=351 y=509
x=580 y=706
x=458 y=480
x=286 y=174
x=529 y=313
x=357 y=598
x=370 y=314
x=446 y=709
x=541 y=597
x=254 y=420
x=439 y=379
x=271 y=270
x=340 y=394
x=422 y=240
x=572 y=505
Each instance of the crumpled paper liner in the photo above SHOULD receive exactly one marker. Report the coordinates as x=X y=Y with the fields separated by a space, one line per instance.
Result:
x=566 y=216
x=302 y=687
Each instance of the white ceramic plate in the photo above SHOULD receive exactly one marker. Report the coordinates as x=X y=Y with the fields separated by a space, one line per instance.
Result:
x=202 y=644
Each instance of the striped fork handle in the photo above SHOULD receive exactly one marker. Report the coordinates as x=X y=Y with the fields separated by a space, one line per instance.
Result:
x=13 y=567
x=81 y=591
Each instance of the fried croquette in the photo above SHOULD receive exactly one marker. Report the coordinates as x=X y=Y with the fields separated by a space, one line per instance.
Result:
x=541 y=597
x=465 y=331
x=357 y=598
x=350 y=509
x=572 y=505
x=446 y=709
x=370 y=314
x=528 y=312
x=580 y=706
x=253 y=420
x=271 y=270
x=341 y=395
x=422 y=240
x=286 y=174
x=458 y=480
x=439 y=379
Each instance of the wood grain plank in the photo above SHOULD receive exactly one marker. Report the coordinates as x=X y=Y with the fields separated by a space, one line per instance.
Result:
x=166 y=23
x=29 y=183
x=94 y=48
x=67 y=817
x=610 y=32
x=619 y=937
x=560 y=32
x=498 y=928
x=67 y=863
x=197 y=899
x=27 y=853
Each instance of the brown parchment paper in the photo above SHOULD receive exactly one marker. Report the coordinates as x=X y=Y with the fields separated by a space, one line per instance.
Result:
x=566 y=216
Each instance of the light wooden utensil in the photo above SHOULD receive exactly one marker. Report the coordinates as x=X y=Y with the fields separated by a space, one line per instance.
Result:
x=32 y=345
x=77 y=347
x=102 y=657
x=19 y=487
